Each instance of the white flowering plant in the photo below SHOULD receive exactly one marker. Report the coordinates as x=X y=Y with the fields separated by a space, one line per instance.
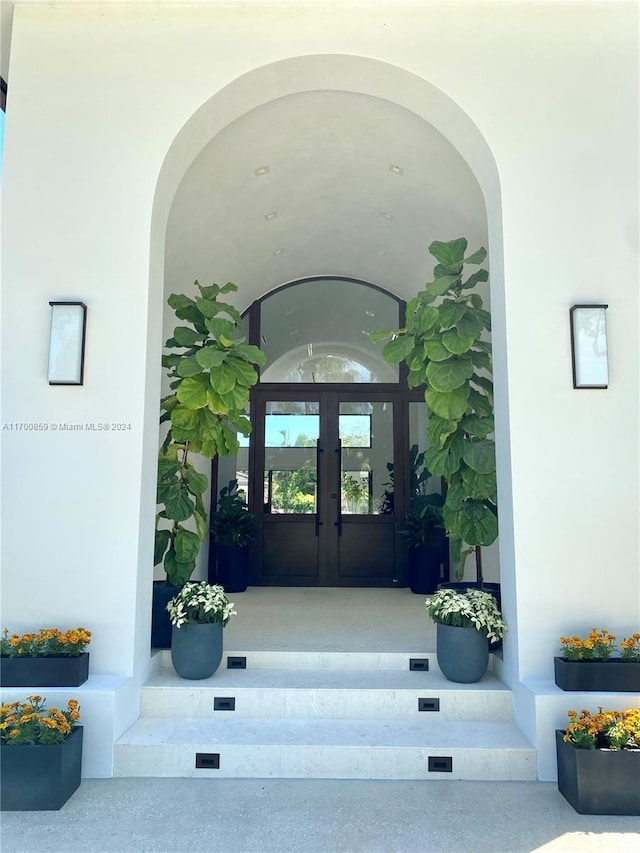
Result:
x=200 y=602
x=473 y=608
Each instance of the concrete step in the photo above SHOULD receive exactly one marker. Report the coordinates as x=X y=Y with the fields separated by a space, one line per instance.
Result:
x=321 y=748
x=324 y=659
x=326 y=693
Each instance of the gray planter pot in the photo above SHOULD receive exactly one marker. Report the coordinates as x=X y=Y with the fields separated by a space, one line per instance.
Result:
x=196 y=649
x=462 y=653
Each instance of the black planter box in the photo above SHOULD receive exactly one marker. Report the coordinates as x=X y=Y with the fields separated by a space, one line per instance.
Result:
x=44 y=671
x=612 y=676
x=599 y=781
x=39 y=777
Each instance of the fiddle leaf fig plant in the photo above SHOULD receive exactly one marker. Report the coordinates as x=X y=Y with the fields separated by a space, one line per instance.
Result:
x=211 y=376
x=444 y=347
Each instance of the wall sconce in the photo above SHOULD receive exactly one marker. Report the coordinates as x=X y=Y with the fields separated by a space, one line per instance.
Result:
x=589 y=346
x=66 y=344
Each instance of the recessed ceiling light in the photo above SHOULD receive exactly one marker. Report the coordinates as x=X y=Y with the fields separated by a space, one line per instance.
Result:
x=278 y=251
x=271 y=215
x=386 y=215
x=397 y=170
x=261 y=170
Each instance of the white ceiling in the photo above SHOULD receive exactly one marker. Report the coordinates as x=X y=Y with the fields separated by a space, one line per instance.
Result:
x=359 y=187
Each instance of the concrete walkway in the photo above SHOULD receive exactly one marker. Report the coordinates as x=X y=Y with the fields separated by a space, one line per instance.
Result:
x=315 y=816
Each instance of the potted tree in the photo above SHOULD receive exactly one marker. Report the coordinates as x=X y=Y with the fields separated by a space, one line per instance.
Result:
x=465 y=623
x=233 y=528
x=444 y=347
x=210 y=377
x=425 y=536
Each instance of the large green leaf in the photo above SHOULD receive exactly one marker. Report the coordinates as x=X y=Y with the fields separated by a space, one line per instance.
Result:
x=439 y=429
x=426 y=319
x=485 y=318
x=446 y=376
x=163 y=537
x=184 y=418
x=456 y=344
x=243 y=425
x=479 y=486
x=435 y=350
x=245 y=373
x=201 y=525
x=237 y=398
x=456 y=494
x=379 y=335
x=196 y=482
x=398 y=349
x=192 y=392
x=217 y=403
x=445 y=462
x=486 y=384
x=177 y=573
x=251 y=353
x=230 y=439
x=223 y=378
x=188 y=367
x=449 y=406
x=178 y=504
x=478 y=524
x=480 y=455
x=439 y=286
x=451 y=311
x=480 y=403
x=451 y=252
x=479 y=427
x=186 y=337
x=482 y=360
x=469 y=325
x=187 y=545
x=209 y=357
x=220 y=328
x=477 y=257
x=168 y=468
x=480 y=275
x=179 y=300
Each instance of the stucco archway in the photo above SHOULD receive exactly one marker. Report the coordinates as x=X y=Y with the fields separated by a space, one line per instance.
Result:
x=264 y=88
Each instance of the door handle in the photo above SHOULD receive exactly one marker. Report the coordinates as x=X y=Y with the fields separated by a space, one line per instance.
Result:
x=318 y=495
x=338 y=523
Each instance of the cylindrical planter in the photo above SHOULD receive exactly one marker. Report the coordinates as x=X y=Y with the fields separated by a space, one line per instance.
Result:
x=35 y=777
x=232 y=567
x=462 y=653
x=599 y=781
x=424 y=569
x=196 y=649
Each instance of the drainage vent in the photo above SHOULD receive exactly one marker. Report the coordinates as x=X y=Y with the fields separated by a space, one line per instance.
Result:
x=440 y=765
x=236 y=663
x=224 y=703
x=419 y=664
x=208 y=760
x=428 y=704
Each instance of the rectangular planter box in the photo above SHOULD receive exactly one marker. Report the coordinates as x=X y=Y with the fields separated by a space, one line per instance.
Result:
x=612 y=676
x=599 y=781
x=44 y=671
x=39 y=777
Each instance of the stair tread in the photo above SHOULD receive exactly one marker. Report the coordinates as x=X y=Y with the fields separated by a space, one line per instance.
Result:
x=322 y=679
x=224 y=730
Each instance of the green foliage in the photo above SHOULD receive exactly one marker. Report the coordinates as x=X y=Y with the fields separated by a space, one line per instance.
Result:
x=233 y=524
x=424 y=526
x=444 y=351
x=210 y=378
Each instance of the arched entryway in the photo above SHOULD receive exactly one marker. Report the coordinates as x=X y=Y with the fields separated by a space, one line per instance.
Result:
x=321 y=167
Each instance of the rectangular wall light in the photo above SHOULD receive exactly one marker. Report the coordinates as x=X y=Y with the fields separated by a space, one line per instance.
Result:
x=66 y=343
x=589 y=346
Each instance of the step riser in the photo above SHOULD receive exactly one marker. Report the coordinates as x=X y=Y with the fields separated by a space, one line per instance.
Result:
x=327 y=660
x=344 y=704
x=342 y=762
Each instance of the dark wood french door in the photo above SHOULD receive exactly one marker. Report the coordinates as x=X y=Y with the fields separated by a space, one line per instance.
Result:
x=323 y=489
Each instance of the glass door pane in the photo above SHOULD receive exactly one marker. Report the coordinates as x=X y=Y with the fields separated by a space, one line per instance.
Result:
x=292 y=431
x=365 y=432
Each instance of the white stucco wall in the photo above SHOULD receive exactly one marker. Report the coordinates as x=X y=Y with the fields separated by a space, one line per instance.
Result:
x=97 y=97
